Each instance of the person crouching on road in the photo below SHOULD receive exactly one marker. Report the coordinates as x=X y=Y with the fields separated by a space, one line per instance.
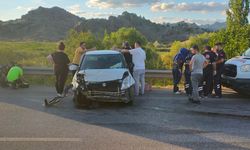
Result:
x=15 y=77
x=60 y=61
x=187 y=74
x=197 y=63
x=178 y=63
x=138 y=57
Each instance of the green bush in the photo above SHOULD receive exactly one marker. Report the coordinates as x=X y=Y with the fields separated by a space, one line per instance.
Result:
x=115 y=39
x=74 y=38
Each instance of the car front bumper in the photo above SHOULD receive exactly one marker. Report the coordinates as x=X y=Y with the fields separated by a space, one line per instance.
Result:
x=236 y=83
x=103 y=96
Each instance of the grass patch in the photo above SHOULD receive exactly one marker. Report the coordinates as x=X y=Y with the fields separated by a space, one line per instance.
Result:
x=26 y=53
x=46 y=80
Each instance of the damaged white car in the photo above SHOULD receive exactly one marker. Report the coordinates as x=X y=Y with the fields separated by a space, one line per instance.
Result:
x=103 y=76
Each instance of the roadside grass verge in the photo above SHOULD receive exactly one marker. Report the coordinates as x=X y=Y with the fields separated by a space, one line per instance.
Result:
x=28 y=53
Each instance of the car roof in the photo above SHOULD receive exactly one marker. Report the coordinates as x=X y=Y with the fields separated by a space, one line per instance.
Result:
x=102 y=52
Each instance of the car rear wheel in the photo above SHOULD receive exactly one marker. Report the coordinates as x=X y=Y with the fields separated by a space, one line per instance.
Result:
x=80 y=100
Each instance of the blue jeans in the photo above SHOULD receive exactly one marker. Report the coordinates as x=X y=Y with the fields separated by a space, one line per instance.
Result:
x=139 y=76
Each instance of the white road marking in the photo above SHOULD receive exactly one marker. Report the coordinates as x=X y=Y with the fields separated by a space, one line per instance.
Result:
x=20 y=139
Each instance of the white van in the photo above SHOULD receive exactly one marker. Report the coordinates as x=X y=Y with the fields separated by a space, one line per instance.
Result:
x=237 y=73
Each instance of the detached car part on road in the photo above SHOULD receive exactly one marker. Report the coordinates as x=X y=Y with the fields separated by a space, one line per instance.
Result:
x=103 y=76
x=237 y=73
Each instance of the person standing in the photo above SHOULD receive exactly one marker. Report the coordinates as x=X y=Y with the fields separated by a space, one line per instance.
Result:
x=128 y=57
x=221 y=59
x=77 y=57
x=138 y=58
x=178 y=63
x=187 y=74
x=197 y=63
x=60 y=61
x=209 y=71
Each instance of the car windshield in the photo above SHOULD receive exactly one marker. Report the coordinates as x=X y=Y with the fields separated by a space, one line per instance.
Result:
x=247 y=53
x=103 y=61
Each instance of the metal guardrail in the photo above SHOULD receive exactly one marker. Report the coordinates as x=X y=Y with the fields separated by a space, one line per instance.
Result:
x=159 y=74
x=49 y=71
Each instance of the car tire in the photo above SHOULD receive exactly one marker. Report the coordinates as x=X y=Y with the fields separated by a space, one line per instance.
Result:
x=80 y=100
x=130 y=95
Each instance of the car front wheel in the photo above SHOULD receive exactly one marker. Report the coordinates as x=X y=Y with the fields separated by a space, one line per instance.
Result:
x=80 y=100
x=130 y=95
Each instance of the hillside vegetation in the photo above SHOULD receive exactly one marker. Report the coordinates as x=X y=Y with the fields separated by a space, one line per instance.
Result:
x=53 y=24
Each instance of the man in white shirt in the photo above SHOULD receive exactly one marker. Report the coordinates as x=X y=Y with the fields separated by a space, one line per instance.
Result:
x=139 y=57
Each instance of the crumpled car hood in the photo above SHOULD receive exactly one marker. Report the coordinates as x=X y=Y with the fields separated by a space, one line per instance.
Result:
x=101 y=75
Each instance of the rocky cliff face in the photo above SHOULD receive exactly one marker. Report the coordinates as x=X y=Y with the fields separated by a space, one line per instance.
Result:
x=50 y=24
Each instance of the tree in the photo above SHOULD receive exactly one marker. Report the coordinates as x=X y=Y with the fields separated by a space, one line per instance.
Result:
x=115 y=39
x=123 y=34
x=237 y=13
x=74 y=38
x=237 y=37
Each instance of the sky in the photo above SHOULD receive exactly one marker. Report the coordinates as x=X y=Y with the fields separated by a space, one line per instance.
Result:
x=159 y=11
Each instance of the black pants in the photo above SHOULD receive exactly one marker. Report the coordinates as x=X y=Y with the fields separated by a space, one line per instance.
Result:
x=188 y=83
x=176 y=78
x=208 y=82
x=61 y=78
x=217 y=84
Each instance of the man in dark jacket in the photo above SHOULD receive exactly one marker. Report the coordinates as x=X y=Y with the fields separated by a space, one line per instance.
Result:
x=128 y=57
x=220 y=61
x=178 y=63
x=209 y=71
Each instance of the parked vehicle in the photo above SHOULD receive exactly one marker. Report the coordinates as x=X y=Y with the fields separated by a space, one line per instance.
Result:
x=103 y=76
x=237 y=73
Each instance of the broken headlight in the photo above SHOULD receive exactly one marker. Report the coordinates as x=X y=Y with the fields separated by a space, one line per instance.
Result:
x=125 y=81
x=80 y=78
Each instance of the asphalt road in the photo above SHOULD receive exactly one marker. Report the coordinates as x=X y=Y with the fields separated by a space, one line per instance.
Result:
x=158 y=120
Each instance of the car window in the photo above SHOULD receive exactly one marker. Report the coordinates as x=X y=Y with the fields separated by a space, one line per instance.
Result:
x=247 y=53
x=104 y=61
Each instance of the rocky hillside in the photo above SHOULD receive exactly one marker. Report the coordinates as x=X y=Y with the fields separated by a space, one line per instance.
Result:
x=154 y=32
x=52 y=24
x=214 y=27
